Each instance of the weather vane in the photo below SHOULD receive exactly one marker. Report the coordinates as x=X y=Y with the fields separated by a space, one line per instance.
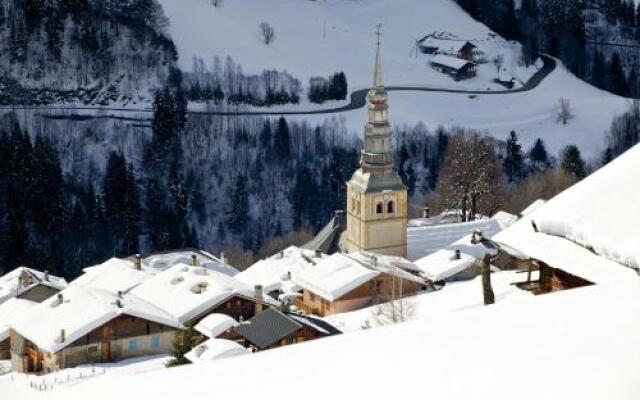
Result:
x=378 y=33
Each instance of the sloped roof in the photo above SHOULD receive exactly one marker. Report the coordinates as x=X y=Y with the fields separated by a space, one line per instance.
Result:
x=450 y=62
x=335 y=276
x=328 y=239
x=214 y=324
x=272 y=273
x=10 y=283
x=12 y=309
x=82 y=310
x=267 y=328
x=113 y=275
x=185 y=291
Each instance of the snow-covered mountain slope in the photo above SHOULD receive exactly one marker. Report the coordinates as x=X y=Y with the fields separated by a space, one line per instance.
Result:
x=302 y=47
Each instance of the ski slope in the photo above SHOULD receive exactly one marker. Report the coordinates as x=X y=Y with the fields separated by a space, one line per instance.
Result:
x=318 y=38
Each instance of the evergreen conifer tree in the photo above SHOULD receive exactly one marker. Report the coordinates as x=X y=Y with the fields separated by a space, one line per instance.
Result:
x=571 y=161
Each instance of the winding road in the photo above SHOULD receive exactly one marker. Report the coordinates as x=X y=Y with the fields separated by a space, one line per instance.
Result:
x=358 y=99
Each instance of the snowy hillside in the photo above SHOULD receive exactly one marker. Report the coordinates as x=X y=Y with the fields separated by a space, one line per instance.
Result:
x=320 y=38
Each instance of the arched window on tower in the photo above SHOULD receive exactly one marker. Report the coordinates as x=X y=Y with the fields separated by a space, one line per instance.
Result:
x=379 y=208
x=390 y=207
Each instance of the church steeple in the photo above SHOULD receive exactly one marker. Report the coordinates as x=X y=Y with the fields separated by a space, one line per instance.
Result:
x=376 y=196
x=376 y=153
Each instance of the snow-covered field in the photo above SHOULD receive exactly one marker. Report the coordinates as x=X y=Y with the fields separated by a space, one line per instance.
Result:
x=304 y=49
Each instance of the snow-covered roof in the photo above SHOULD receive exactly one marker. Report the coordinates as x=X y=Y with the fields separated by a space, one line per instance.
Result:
x=82 y=310
x=11 y=309
x=450 y=62
x=185 y=291
x=586 y=229
x=273 y=272
x=215 y=349
x=113 y=275
x=214 y=324
x=22 y=279
x=392 y=265
x=443 y=263
x=162 y=261
x=533 y=206
x=448 y=46
x=334 y=276
x=424 y=240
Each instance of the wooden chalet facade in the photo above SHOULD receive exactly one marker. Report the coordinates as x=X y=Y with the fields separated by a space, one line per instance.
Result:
x=456 y=68
x=121 y=338
x=237 y=306
x=378 y=290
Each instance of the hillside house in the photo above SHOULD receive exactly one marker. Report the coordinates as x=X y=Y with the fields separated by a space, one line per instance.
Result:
x=189 y=293
x=348 y=282
x=21 y=290
x=88 y=325
x=462 y=49
x=458 y=69
x=274 y=328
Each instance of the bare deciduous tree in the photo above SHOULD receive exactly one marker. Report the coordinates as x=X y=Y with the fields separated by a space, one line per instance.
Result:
x=471 y=181
x=565 y=112
x=498 y=61
x=267 y=33
x=394 y=307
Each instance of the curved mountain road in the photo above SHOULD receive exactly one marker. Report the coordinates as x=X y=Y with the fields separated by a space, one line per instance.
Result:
x=358 y=98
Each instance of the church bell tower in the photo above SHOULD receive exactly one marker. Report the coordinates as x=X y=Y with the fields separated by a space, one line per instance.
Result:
x=376 y=196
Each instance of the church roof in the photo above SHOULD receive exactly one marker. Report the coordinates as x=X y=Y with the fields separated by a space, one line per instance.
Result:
x=367 y=182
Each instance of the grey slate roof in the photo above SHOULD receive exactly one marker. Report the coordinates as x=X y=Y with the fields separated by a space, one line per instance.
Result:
x=328 y=239
x=271 y=326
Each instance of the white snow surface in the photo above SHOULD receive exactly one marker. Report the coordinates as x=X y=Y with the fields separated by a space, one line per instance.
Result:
x=533 y=206
x=272 y=273
x=334 y=276
x=162 y=261
x=113 y=275
x=185 y=291
x=11 y=309
x=215 y=349
x=214 y=324
x=425 y=240
x=563 y=339
x=596 y=214
x=82 y=310
x=199 y=29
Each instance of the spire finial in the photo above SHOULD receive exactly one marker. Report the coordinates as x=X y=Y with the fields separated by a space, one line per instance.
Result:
x=377 y=77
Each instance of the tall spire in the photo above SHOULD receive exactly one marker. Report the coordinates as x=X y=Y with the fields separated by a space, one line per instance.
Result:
x=378 y=80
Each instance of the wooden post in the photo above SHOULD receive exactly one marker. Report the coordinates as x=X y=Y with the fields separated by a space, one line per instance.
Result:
x=487 y=290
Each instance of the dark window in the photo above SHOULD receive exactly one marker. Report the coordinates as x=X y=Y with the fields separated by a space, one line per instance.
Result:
x=390 y=207
x=379 y=208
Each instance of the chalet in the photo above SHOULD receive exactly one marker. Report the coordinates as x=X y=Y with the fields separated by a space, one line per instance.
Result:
x=274 y=273
x=462 y=49
x=274 y=328
x=161 y=261
x=88 y=325
x=21 y=290
x=347 y=282
x=114 y=275
x=458 y=69
x=189 y=293
x=568 y=242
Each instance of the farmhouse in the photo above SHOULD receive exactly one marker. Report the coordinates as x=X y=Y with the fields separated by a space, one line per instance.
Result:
x=347 y=282
x=274 y=328
x=458 y=69
x=21 y=290
x=189 y=293
x=88 y=325
x=452 y=47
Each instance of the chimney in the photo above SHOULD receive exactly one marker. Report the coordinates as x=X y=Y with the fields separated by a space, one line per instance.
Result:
x=138 y=262
x=223 y=257
x=457 y=254
x=194 y=260
x=258 y=295
x=46 y=275
x=119 y=303
x=63 y=336
x=60 y=298
x=281 y=254
x=318 y=253
x=119 y=294
x=426 y=212
x=288 y=275
x=374 y=261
